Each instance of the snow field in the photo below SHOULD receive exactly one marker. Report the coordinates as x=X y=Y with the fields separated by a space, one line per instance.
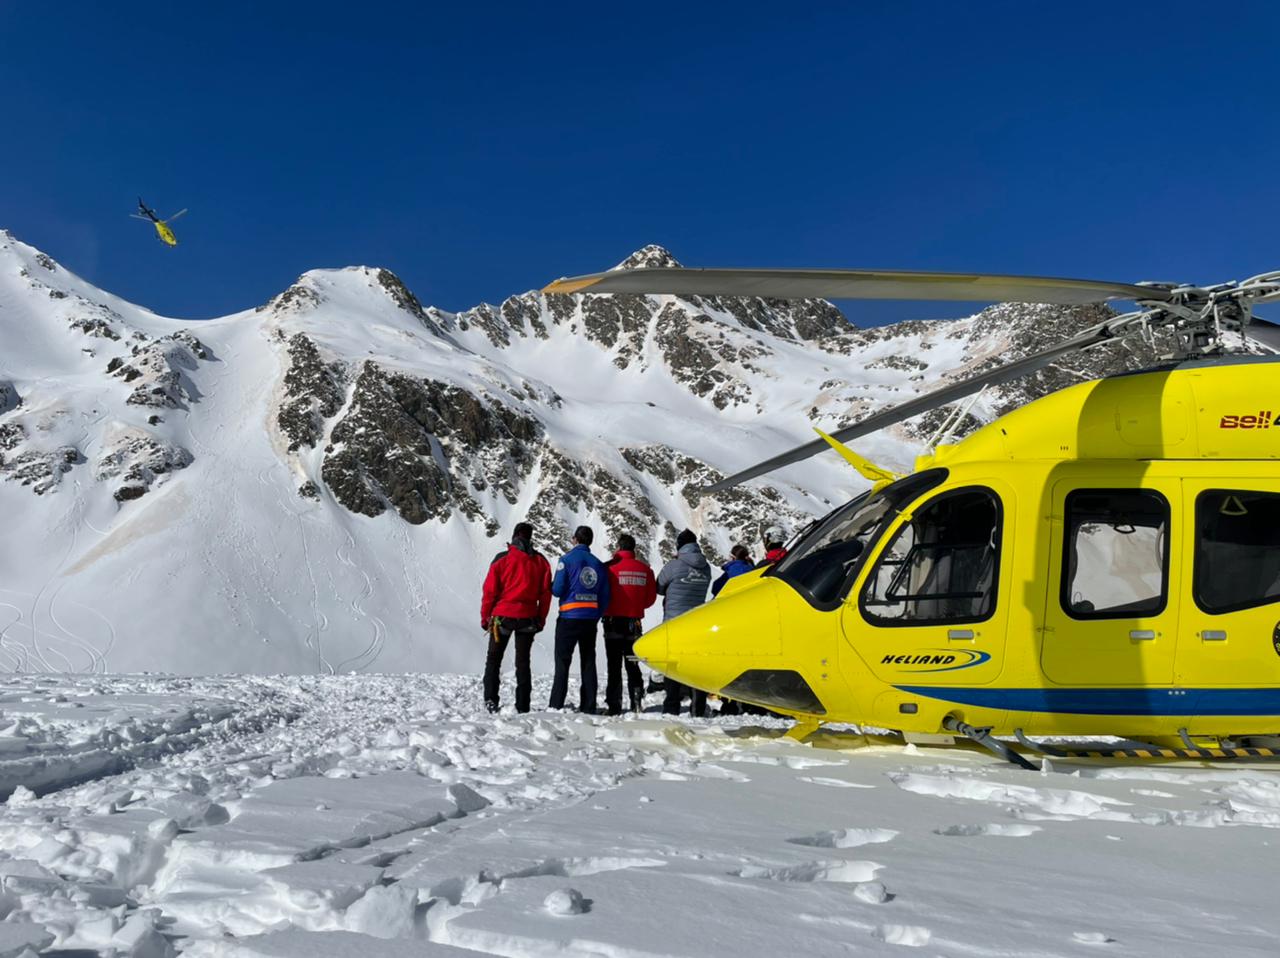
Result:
x=363 y=815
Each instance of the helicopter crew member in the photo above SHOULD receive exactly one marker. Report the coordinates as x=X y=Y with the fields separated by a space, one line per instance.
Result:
x=632 y=589
x=582 y=584
x=516 y=600
x=739 y=563
x=683 y=584
x=774 y=550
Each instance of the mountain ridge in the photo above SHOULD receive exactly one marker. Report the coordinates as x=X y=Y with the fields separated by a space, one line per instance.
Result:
x=317 y=483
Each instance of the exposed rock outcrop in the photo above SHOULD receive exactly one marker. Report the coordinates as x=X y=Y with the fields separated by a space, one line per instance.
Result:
x=41 y=469
x=135 y=459
x=158 y=368
x=420 y=445
x=11 y=434
x=313 y=392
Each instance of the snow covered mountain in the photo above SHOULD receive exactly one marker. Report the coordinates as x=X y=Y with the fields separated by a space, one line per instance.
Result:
x=319 y=483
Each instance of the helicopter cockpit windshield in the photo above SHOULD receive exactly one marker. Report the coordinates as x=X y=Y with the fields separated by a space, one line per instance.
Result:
x=824 y=562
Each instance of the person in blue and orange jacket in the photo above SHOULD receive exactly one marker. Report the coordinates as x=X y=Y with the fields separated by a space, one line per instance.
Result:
x=581 y=583
x=632 y=589
x=516 y=600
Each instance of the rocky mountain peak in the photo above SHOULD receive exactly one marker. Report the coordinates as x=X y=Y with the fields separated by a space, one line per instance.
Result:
x=400 y=294
x=24 y=254
x=651 y=256
x=346 y=288
x=300 y=295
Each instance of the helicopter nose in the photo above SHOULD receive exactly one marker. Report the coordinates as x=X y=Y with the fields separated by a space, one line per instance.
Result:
x=719 y=646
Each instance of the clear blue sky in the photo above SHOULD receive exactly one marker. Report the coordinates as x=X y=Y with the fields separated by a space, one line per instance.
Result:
x=484 y=149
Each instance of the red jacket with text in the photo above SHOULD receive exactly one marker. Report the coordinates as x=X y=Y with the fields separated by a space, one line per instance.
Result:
x=632 y=586
x=771 y=557
x=518 y=586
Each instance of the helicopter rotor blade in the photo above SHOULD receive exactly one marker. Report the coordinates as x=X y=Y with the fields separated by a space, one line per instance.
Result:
x=855 y=284
x=930 y=400
x=138 y=216
x=1265 y=332
x=176 y=215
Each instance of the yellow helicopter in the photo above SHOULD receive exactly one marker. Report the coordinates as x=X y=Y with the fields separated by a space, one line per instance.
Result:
x=1104 y=561
x=163 y=231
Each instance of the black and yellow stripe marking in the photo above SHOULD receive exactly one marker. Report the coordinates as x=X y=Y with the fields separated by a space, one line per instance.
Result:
x=1160 y=752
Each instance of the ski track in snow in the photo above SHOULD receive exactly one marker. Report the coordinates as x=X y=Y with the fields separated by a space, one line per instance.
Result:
x=32 y=654
x=366 y=657
x=72 y=521
x=367 y=814
x=96 y=659
x=10 y=646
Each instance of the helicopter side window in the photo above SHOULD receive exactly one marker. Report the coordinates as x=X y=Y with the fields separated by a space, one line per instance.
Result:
x=942 y=566
x=822 y=565
x=1116 y=564
x=1237 y=564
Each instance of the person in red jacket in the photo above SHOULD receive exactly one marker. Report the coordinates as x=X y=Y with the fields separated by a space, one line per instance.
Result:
x=516 y=600
x=774 y=550
x=632 y=589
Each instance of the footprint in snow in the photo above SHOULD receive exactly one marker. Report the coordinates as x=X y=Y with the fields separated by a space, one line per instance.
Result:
x=801 y=762
x=998 y=830
x=1093 y=938
x=565 y=902
x=872 y=892
x=846 y=838
x=849 y=872
x=913 y=936
x=831 y=782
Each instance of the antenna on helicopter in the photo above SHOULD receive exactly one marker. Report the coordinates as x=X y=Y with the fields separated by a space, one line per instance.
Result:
x=952 y=422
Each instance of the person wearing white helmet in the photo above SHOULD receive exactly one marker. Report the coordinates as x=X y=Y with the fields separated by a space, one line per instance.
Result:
x=774 y=550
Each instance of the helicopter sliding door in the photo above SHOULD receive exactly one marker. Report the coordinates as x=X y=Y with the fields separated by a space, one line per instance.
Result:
x=933 y=609
x=1112 y=618
x=1232 y=631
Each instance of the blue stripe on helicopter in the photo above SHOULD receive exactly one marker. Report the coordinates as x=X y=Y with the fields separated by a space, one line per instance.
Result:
x=1111 y=701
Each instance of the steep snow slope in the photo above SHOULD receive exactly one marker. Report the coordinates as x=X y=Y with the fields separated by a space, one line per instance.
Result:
x=319 y=483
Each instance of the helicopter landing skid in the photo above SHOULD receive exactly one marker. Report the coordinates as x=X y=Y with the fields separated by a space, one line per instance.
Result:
x=983 y=737
x=801 y=731
x=1146 y=750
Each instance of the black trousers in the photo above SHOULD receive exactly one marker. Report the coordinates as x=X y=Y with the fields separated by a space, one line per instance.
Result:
x=577 y=634
x=499 y=635
x=675 y=693
x=730 y=707
x=619 y=640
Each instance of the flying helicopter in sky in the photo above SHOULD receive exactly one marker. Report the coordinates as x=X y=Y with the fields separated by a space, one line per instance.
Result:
x=163 y=231
x=1103 y=561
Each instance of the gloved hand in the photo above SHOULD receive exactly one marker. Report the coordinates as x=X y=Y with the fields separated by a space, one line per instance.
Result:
x=485 y=623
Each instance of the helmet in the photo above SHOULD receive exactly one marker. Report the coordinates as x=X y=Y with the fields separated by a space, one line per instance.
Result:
x=774 y=534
